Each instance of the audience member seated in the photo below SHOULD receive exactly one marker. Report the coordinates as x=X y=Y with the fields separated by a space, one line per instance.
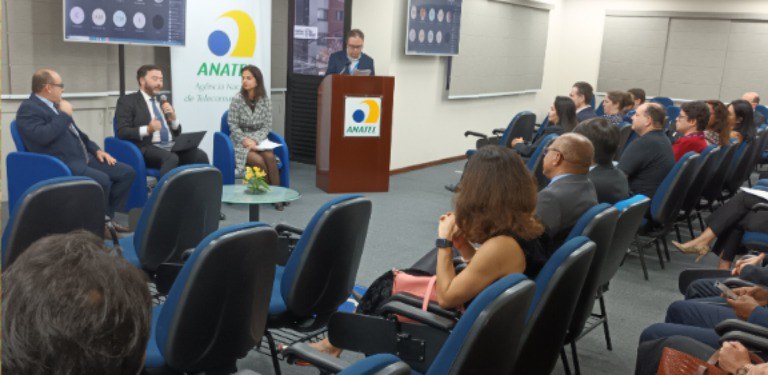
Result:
x=691 y=123
x=494 y=206
x=741 y=115
x=637 y=96
x=72 y=307
x=569 y=193
x=250 y=121
x=45 y=124
x=647 y=160
x=142 y=120
x=727 y=225
x=610 y=183
x=562 y=119
x=582 y=95
x=750 y=269
x=733 y=357
x=754 y=99
x=718 y=130
x=613 y=106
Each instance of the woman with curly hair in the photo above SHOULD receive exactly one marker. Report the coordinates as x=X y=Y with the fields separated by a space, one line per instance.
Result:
x=718 y=128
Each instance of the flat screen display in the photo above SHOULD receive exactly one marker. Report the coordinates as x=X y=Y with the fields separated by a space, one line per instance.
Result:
x=433 y=27
x=149 y=22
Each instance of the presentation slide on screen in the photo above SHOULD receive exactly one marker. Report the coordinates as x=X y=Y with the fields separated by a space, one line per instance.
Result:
x=153 y=22
x=433 y=27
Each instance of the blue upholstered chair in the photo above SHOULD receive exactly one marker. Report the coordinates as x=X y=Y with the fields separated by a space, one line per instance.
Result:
x=321 y=270
x=599 y=111
x=626 y=136
x=672 y=113
x=703 y=172
x=663 y=100
x=598 y=224
x=26 y=168
x=183 y=208
x=216 y=310
x=224 y=154
x=535 y=163
x=129 y=153
x=763 y=110
x=714 y=185
x=53 y=206
x=520 y=126
x=486 y=339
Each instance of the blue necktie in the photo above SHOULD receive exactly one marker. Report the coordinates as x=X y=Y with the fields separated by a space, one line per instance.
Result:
x=164 y=135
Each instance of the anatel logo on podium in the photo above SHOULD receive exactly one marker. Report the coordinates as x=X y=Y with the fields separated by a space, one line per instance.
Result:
x=362 y=116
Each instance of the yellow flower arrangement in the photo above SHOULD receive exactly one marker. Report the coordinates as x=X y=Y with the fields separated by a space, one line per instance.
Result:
x=256 y=180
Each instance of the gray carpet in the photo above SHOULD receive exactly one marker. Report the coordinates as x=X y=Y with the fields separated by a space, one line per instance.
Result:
x=404 y=226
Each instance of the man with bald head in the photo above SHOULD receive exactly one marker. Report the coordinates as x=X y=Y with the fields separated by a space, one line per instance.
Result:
x=648 y=159
x=45 y=124
x=569 y=193
x=754 y=99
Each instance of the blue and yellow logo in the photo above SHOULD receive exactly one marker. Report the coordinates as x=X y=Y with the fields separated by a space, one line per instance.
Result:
x=372 y=117
x=220 y=43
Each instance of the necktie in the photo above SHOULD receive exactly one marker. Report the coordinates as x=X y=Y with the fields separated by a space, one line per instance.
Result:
x=164 y=135
x=353 y=67
x=79 y=140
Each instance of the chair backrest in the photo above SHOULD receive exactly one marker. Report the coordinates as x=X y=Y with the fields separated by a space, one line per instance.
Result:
x=663 y=100
x=631 y=213
x=544 y=124
x=486 y=339
x=763 y=110
x=672 y=112
x=57 y=205
x=626 y=136
x=183 y=208
x=224 y=126
x=536 y=163
x=557 y=288
x=599 y=111
x=322 y=268
x=217 y=308
x=521 y=126
x=759 y=146
x=702 y=172
x=28 y=168
x=17 y=137
x=741 y=161
x=598 y=224
x=666 y=202
x=378 y=364
x=716 y=181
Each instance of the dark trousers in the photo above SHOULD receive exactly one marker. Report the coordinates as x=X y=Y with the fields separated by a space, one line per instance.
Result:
x=165 y=161
x=649 y=353
x=728 y=223
x=692 y=318
x=115 y=180
x=703 y=288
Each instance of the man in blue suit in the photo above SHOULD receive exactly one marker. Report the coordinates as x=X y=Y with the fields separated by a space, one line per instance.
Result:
x=46 y=126
x=352 y=59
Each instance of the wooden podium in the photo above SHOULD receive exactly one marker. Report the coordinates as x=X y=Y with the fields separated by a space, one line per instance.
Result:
x=354 y=133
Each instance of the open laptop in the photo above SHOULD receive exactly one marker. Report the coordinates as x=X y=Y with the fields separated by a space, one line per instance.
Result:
x=184 y=141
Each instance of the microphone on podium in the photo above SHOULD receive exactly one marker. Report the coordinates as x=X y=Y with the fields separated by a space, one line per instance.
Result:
x=163 y=100
x=345 y=67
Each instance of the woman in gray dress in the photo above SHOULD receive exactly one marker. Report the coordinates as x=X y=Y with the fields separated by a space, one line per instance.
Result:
x=250 y=121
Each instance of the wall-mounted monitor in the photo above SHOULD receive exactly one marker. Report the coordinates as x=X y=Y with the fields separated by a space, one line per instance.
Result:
x=147 y=22
x=433 y=27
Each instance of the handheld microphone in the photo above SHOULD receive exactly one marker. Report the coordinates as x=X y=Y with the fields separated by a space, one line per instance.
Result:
x=163 y=100
x=346 y=65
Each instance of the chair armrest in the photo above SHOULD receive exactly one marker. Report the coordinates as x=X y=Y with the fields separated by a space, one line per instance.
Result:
x=415 y=301
x=224 y=157
x=282 y=228
x=324 y=362
x=476 y=134
x=419 y=315
x=688 y=276
x=760 y=207
x=730 y=325
x=498 y=131
x=752 y=342
x=735 y=282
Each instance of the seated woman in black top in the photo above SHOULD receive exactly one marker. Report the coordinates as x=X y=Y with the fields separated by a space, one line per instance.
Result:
x=741 y=114
x=562 y=119
x=610 y=183
x=493 y=227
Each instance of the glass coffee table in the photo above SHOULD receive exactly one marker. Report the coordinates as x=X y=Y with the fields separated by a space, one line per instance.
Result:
x=236 y=194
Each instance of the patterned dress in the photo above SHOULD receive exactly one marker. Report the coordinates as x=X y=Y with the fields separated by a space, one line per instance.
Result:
x=246 y=123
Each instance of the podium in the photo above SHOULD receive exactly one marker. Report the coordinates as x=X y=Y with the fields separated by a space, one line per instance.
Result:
x=354 y=133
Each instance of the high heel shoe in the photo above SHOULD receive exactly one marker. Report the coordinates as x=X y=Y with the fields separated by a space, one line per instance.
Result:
x=702 y=250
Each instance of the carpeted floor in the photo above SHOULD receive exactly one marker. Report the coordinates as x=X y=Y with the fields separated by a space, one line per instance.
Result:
x=404 y=226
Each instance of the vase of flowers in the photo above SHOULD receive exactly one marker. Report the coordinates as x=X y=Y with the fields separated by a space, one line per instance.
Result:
x=255 y=181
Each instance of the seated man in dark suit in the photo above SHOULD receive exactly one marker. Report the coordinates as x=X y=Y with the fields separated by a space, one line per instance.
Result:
x=569 y=193
x=351 y=59
x=610 y=183
x=648 y=159
x=146 y=122
x=93 y=319
x=46 y=126
x=582 y=95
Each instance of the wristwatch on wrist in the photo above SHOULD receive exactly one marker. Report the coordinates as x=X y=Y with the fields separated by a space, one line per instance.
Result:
x=744 y=370
x=443 y=243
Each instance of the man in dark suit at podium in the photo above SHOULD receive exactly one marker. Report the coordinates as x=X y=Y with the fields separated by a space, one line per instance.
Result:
x=351 y=59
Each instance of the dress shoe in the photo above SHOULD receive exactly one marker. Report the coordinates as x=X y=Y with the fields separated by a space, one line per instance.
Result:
x=702 y=250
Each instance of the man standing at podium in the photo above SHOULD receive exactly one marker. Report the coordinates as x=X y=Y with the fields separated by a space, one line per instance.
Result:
x=352 y=60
